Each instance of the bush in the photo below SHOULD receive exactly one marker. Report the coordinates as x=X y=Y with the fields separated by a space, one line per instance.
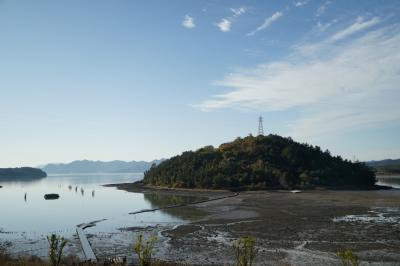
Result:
x=245 y=251
x=57 y=245
x=348 y=258
x=144 y=249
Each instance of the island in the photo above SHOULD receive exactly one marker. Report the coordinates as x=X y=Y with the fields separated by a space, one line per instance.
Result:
x=20 y=173
x=260 y=162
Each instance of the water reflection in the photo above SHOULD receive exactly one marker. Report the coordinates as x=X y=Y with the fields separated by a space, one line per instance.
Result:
x=34 y=217
x=392 y=181
x=158 y=200
x=20 y=180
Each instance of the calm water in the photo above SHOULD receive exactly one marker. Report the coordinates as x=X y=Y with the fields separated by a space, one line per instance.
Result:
x=392 y=181
x=36 y=217
x=25 y=221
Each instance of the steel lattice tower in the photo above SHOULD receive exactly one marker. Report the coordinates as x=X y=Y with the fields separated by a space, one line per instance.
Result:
x=260 y=126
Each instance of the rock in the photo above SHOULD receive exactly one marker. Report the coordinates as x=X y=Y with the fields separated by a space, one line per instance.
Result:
x=51 y=196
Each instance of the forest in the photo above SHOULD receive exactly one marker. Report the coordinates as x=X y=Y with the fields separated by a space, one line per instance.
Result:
x=21 y=173
x=260 y=162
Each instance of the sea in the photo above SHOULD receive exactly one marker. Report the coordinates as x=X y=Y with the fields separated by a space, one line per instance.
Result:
x=26 y=214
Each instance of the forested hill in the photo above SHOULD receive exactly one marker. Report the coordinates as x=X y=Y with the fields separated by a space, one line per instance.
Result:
x=260 y=162
x=21 y=173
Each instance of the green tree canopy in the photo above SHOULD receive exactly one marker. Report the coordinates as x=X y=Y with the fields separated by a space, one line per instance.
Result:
x=260 y=162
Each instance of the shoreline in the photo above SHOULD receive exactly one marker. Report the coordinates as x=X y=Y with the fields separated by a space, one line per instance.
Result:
x=140 y=187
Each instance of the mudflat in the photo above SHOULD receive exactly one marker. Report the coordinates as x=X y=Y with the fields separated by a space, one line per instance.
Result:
x=304 y=228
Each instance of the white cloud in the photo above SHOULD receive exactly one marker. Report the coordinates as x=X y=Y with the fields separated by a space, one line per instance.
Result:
x=340 y=87
x=268 y=21
x=225 y=23
x=188 y=22
x=357 y=26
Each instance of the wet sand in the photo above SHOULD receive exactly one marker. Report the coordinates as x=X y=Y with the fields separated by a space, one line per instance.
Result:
x=290 y=228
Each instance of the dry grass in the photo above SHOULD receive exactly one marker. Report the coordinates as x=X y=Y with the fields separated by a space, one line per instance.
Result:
x=6 y=260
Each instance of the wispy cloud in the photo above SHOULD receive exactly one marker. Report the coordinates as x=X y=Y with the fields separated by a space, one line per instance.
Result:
x=300 y=3
x=225 y=24
x=321 y=27
x=268 y=21
x=357 y=26
x=342 y=86
x=188 y=22
x=321 y=10
x=238 y=11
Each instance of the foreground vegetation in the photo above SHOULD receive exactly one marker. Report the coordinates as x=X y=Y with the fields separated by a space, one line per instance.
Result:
x=244 y=254
x=260 y=162
x=244 y=250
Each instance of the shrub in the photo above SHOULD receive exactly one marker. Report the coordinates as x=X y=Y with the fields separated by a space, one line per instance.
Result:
x=245 y=251
x=348 y=258
x=144 y=249
x=57 y=245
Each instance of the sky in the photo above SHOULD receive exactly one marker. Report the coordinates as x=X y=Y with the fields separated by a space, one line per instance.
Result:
x=142 y=80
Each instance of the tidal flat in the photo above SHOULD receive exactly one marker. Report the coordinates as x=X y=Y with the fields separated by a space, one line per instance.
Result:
x=304 y=228
x=290 y=228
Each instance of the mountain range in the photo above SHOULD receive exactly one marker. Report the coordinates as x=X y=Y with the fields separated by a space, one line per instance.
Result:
x=87 y=166
x=386 y=166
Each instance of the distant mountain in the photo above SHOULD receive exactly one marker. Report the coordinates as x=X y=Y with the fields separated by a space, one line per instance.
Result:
x=21 y=173
x=86 y=166
x=388 y=166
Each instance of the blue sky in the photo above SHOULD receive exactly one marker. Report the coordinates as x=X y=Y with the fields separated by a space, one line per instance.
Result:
x=140 y=80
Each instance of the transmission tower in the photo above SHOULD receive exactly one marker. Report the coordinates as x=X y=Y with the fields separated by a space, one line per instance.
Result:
x=260 y=126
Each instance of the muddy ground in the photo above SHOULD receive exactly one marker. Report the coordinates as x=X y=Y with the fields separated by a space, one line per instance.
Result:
x=304 y=228
x=290 y=228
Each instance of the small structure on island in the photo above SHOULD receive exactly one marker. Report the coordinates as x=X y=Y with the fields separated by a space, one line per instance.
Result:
x=260 y=126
